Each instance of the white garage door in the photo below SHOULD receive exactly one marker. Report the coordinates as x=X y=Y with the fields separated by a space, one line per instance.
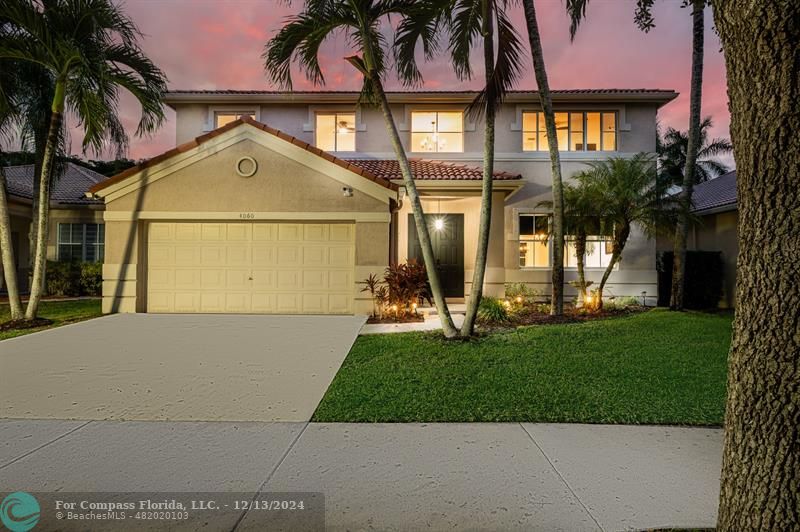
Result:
x=260 y=268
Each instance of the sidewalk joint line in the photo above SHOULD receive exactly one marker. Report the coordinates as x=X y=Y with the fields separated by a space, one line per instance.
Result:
x=561 y=477
x=18 y=458
x=270 y=475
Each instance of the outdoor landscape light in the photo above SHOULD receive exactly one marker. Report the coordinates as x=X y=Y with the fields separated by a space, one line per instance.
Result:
x=438 y=224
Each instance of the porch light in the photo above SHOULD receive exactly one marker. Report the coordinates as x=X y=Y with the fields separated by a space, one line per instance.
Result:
x=438 y=224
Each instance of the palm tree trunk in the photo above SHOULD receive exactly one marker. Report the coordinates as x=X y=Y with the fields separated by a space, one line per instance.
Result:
x=620 y=239
x=43 y=221
x=484 y=224
x=546 y=100
x=761 y=452
x=695 y=97
x=8 y=260
x=580 y=251
x=423 y=235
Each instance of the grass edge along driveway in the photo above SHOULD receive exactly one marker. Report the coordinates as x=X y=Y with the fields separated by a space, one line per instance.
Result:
x=60 y=312
x=657 y=367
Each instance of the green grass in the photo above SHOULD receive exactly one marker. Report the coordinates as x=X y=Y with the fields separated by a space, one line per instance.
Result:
x=61 y=312
x=656 y=367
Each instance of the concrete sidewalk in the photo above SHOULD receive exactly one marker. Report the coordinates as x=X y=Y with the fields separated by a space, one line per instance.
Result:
x=483 y=476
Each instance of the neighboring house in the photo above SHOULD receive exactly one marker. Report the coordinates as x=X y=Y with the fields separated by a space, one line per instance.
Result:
x=282 y=202
x=714 y=203
x=76 y=222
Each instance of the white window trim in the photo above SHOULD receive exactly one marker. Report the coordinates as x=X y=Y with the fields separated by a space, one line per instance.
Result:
x=465 y=126
x=346 y=111
x=314 y=110
x=213 y=110
x=569 y=129
x=515 y=237
x=82 y=243
x=622 y=119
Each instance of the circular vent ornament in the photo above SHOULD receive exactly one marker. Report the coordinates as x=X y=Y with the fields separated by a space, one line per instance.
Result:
x=246 y=166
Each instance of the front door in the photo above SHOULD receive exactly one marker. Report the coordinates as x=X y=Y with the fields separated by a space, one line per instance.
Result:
x=447 y=240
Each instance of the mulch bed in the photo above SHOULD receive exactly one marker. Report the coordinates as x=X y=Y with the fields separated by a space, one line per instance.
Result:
x=386 y=319
x=572 y=315
x=24 y=324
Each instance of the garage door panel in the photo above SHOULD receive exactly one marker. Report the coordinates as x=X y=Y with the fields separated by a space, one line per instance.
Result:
x=258 y=267
x=287 y=303
x=265 y=232
x=290 y=232
x=341 y=256
x=315 y=280
x=340 y=280
x=186 y=256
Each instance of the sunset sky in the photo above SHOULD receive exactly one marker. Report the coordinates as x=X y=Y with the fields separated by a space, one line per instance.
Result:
x=217 y=44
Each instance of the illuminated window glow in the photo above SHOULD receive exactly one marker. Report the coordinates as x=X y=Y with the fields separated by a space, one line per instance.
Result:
x=437 y=131
x=224 y=118
x=336 y=131
x=576 y=131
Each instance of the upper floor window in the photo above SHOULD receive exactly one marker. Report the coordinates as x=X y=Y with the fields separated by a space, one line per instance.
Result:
x=82 y=242
x=336 y=131
x=437 y=131
x=222 y=118
x=576 y=131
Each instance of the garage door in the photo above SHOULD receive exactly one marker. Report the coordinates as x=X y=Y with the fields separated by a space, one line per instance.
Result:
x=263 y=268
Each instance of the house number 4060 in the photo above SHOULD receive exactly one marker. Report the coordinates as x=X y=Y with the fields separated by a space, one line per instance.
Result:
x=247 y=215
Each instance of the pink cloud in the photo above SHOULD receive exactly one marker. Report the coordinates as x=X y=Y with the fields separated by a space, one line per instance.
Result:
x=207 y=44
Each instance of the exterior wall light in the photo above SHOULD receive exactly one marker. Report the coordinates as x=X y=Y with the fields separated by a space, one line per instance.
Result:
x=347 y=192
x=438 y=224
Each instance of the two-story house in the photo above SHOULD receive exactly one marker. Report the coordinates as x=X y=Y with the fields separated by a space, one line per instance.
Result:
x=278 y=202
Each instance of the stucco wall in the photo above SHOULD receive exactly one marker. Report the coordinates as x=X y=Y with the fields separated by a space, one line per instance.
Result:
x=211 y=187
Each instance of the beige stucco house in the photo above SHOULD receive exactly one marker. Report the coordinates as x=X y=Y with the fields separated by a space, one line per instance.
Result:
x=76 y=230
x=280 y=202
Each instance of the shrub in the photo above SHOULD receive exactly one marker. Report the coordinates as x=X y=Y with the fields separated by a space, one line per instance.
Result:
x=492 y=311
x=403 y=287
x=621 y=303
x=73 y=279
x=521 y=293
x=702 y=283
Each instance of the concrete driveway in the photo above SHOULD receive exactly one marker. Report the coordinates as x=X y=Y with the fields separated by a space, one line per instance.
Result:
x=176 y=367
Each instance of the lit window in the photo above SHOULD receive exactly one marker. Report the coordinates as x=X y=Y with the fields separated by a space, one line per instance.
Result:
x=437 y=131
x=81 y=242
x=534 y=249
x=576 y=131
x=598 y=252
x=224 y=118
x=336 y=131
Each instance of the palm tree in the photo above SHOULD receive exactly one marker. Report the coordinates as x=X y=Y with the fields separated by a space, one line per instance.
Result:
x=643 y=16
x=626 y=193
x=581 y=220
x=9 y=92
x=671 y=148
x=90 y=48
x=469 y=23
x=360 y=21
x=546 y=101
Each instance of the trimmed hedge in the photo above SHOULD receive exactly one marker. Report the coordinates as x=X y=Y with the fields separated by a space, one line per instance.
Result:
x=703 y=283
x=74 y=279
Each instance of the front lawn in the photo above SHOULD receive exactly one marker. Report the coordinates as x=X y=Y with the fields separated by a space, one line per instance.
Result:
x=657 y=367
x=60 y=312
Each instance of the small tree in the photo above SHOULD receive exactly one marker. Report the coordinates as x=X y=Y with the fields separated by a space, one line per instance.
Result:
x=626 y=194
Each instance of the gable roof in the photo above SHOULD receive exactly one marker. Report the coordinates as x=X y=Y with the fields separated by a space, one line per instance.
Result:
x=715 y=193
x=68 y=189
x=232 y=125
x=429 y=170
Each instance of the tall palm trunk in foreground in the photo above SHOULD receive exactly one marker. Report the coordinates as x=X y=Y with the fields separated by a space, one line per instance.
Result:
x=485 y=220
x=43 y=210
x=761 y=454
x=695 y=97
x=423 y=234
x=546 y=100
x=8 y=260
